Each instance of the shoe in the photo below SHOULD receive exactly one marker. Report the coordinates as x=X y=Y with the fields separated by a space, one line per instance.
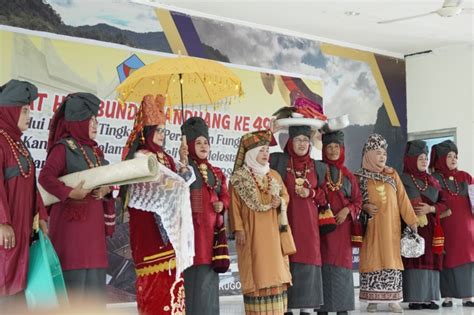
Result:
x=468 y=304
x=342 y=313
x=395 y=308
x=320 y=313
x=415 y=306
x=372 y=307
x=305 y=313
x=430 y=306
x=288 y=313
x=447 y=304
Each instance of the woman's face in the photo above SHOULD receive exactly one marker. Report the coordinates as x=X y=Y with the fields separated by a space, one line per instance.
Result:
x=93 y=127
x=301 y=145
x=452 y=160
x=202 y=147
x=263 y=155
x=333 y=151
x=159 y=135
x=422 y=162
x=380 y=158
x=24 y=119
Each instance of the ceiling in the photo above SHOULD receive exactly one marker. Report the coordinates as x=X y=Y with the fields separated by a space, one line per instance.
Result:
x=349 y=22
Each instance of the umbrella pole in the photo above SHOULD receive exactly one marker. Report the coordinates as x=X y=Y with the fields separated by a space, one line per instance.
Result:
x=181 y=90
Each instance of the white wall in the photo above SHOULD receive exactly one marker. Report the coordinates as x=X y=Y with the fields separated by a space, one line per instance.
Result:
x=440 y=95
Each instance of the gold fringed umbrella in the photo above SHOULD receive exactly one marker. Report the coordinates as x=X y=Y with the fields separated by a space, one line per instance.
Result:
x=184 y=81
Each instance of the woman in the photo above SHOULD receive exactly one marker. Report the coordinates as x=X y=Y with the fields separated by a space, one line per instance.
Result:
x=158 y=291
x=421 y=275
x=256 y=194
x=384 y=200
x=304 y=179
x=336 y=247
x=457 y=277
x=19 y=197
x=78 y=222
x=209 y=199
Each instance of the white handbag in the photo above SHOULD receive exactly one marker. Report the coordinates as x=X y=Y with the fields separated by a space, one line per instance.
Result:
x=412 y=245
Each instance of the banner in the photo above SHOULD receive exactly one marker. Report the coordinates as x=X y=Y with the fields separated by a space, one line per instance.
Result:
x=59 y=65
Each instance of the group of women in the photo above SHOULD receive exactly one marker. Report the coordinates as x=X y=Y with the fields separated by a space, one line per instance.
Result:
x=273 y=200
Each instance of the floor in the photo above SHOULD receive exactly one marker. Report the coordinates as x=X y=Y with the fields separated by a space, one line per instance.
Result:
x=234 y=306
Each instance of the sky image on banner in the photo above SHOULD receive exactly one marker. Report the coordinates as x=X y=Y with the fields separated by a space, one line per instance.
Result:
x=58 y=67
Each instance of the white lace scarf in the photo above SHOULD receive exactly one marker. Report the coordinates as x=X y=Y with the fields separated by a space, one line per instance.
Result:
x=168 y=196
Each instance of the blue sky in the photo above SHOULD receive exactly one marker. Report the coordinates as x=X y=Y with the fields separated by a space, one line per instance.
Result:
x=118 y=13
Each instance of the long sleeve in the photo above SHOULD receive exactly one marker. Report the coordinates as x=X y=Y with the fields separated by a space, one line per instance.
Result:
x=406 y=209
x=355 y=204
x=224 y=195
x=53 y=169
x=4 y=208
x=236 y=223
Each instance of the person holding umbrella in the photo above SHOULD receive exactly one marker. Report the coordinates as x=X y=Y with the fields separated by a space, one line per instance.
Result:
x=209 y=199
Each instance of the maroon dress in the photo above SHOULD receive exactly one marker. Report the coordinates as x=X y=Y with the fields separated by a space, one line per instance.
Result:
x=19 y=202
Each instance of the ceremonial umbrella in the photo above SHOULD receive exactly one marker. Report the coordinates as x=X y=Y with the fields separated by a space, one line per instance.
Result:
x=183 y=81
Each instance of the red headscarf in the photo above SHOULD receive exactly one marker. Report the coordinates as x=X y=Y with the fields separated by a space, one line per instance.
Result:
x=299 y=162
x=339 y=163
x=9 y=121
x=440 y=164
x=153 y=147
x=410 y=167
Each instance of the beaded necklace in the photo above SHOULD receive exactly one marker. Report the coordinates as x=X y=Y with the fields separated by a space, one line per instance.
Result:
x=418 y=186
x=452 y=193
x=203 y=170
x=88 y=160
x=331 y=185
x=266 y=189
x=162 y=159
x=20 y=147
x=300 y=177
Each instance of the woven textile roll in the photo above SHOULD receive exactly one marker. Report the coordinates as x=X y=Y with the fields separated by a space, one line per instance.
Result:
x=138 y=170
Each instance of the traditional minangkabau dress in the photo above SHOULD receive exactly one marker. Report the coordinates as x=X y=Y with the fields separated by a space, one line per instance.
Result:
x=457 y=276
x=201 y=282
x=380 y=260
x=336 y=247
x=78 y=228
x=305 y=265
x=19 y=197
x=159 y=290
x=421 y=275
x=264 y=271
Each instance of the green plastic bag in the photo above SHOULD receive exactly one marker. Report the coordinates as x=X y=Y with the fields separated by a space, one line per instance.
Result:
x=45 y=287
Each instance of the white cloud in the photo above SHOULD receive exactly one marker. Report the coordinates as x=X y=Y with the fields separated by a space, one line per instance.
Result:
x=118 y=13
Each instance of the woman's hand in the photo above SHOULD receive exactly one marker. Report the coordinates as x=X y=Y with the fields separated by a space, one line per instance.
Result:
x=276 y=201
x=43 y=226
x=424 y=208
x=414 y=228
x=239 y=237
x=78 y=192
x=342 y=215
x=370 y=209
x=7 y=236
x=101 y=192
x=218 y=206
x=303 y=192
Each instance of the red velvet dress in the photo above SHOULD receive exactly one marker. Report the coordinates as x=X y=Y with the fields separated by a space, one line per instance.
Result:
x=459 y=227
x=158 y=291
x=204 y=217
x=77 y=236
x=17 y=208
x=336 y=246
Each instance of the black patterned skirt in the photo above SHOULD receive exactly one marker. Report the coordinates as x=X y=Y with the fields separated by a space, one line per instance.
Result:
x=382 y=286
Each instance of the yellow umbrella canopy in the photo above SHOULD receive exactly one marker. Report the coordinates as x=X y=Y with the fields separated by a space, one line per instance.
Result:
x=183 y=80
